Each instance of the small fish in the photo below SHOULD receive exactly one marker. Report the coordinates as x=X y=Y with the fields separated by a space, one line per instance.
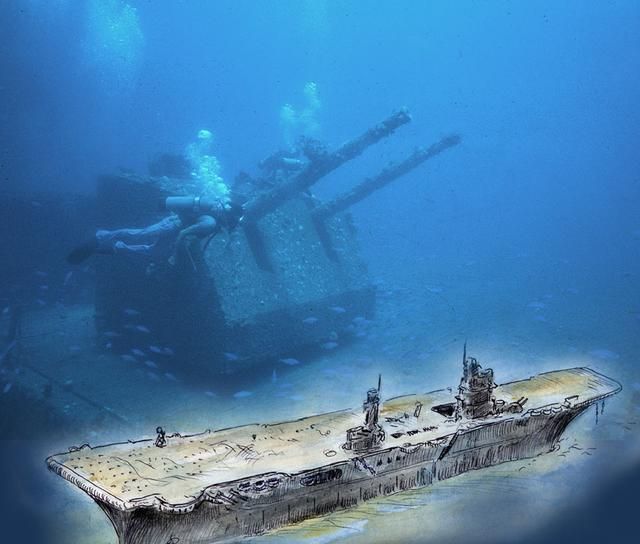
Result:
x=274 y=376
x=44 y=287
x=151 y=364
x=310 y=320
x=290 y=361
x=242 y=394
x=7 y=351
x=67 y=278
x=111 y=334
x=297 y=397
x=329 y=345
x=7 y=388
x=74 y=349
x=359 y=320
x=128 y=358
x=435 y=290
x=41 y=274
x=41 y=302
x=210 y=394
x=36 y=204
x=170 y=377
x=168 y=351
x=5 y=310
x=231 y=356
x=143 y=329
x=130 y=311
x=108 y=345
x=153 y=376
x=536 y=305
x=138 y=352
x=156 y=349
x=338 y=309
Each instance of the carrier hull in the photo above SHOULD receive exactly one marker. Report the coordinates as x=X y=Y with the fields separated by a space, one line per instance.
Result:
x=413 y=467
x=266 y=500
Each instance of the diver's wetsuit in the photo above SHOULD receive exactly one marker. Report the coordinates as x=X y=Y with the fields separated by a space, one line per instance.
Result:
x=197 y=217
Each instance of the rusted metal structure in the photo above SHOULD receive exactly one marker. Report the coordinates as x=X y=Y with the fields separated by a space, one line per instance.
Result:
x=290 y=278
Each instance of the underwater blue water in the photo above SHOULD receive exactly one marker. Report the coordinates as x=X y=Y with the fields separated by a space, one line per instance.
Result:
x=530 y=226
x=544 y=96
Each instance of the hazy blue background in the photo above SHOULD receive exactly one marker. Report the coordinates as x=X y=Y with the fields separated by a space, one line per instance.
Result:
x=545 y=95
x=539 y=204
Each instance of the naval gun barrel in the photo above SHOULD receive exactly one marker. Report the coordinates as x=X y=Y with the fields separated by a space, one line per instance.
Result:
x=386 y=176
x=323 y=165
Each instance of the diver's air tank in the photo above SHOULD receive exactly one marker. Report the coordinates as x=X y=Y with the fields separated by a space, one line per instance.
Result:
x=192 y=204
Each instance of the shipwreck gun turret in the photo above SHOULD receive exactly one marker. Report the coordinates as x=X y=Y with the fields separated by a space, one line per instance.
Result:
x=386 y=176
x=270 y=289
x=322 y=165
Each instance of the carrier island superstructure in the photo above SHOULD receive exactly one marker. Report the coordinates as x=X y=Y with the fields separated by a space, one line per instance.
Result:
x=222 y=484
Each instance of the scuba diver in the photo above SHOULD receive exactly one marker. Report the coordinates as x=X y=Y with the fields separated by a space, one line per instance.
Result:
x=191 y=218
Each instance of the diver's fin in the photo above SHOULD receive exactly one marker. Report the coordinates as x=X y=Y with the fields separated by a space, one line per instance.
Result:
x=83 y=252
